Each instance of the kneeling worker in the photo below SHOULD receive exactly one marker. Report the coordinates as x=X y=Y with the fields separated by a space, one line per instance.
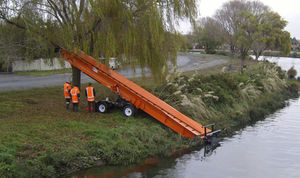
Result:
x=67 y=89
x=90 y=95
x=75 y=93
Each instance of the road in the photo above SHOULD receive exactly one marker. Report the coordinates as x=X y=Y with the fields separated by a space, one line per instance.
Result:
x=187 y=62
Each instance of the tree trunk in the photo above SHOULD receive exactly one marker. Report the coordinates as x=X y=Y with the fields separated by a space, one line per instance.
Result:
x=244 y=53
x=232 y=50
x=7 y=65
x=76 y=77
x=257 y=54
x=92 y=44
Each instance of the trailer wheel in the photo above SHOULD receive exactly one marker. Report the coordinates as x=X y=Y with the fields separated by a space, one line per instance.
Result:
x=129 y=110
x=102 y=107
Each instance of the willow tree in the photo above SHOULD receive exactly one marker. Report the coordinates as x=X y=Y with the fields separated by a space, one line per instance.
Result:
x=137 y=31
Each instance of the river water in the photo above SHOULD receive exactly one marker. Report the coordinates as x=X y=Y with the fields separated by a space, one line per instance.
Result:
x=285 y=62
x=267 y=149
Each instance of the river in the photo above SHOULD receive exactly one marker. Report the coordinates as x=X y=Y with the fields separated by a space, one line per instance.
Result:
x=268 y=149
x=285 y=62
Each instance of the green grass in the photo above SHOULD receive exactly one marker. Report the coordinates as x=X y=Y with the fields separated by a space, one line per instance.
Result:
x=37 y=134
x=45 y=72
x=40 y=138
x=197 y=50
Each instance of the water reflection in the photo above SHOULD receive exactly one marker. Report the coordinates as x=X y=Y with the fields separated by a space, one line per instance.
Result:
x=151 y=167
x=116 y=172
x=209 y=149
x=258 y=151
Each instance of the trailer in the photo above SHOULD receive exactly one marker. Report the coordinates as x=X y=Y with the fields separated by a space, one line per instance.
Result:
x=127 y=108
x=133 y=97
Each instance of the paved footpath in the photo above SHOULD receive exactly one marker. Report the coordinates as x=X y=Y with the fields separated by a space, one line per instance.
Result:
x=22 y=82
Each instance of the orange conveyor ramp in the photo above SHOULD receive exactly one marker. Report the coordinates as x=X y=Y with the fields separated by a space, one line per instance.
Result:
x=136 y=95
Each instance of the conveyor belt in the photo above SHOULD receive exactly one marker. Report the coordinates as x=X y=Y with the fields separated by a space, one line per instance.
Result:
x=136 y=95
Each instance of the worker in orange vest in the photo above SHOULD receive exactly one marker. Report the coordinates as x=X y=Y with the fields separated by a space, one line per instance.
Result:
x=90 y=95
x=75 y=93
x=67 y=89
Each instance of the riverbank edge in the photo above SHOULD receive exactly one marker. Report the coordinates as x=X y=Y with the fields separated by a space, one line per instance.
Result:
x=274 y=101
x=62 y=163
x=278 y=101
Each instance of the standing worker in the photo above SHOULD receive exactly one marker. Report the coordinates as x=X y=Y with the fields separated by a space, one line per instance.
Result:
x=90 y=95
x=75 y=93
x=67 y=89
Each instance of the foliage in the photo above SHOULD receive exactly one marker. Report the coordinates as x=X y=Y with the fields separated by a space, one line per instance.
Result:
x=245 y=32
x=39 y=138
x=223 y=52
x=185 y=43
x=229 y=100
x=270 y=34
x=208 y=33
x=279 y=54
x=252 y=25
x=140 y=32
x=17 y=44
x=292 y=73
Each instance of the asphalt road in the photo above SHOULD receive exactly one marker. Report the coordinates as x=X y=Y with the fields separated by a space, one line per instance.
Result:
x=22 y=82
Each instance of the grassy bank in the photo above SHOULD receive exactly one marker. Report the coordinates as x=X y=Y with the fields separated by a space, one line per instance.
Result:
x=230 y=100
x=279 y=54
x=39 y=138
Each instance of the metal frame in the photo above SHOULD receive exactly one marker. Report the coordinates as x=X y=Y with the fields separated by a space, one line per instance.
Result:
x=136 y=95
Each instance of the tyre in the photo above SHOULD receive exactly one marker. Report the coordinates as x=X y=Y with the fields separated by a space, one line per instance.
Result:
x=102 y=107
x=129 y=110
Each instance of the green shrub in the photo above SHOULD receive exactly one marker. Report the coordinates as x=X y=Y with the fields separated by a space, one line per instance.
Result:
x=241 y=98
x=223 y=53
x=7 y=170
x=6 y=158
x=292 y=73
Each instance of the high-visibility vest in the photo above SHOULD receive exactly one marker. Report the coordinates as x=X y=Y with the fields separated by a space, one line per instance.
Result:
x=90 y=94
x=74 y=92
x=67 y=88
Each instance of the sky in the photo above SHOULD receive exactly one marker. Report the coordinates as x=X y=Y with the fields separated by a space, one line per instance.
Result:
x=289 y=10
